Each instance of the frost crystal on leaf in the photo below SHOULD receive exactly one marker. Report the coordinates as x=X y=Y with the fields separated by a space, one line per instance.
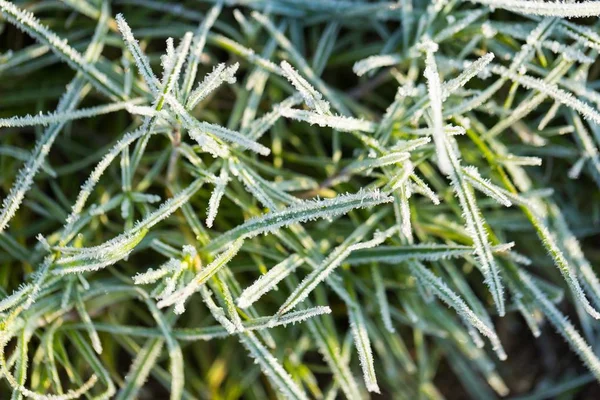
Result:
x=358 y=191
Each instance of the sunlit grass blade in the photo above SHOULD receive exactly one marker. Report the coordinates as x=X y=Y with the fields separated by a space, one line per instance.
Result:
x=180 y=296
x=199 y=42
x=305 y=211
x=269 y=280
x=344 y=124
x=550 y=8
x=211 y=82
x=141 y=60
x=363 y=345
x=436 y=98
x=441 y=290
x=333 y=261
x=312 y=98
x=27 y=22
x=282 y=381
x=215 y=130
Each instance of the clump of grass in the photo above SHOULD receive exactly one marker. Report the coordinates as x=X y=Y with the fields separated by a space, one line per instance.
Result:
x=362 y=197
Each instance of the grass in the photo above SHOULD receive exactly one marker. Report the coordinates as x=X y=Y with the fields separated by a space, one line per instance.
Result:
x=299 y=199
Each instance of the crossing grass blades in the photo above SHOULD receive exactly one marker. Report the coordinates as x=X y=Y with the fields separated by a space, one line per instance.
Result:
x=299 y=199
